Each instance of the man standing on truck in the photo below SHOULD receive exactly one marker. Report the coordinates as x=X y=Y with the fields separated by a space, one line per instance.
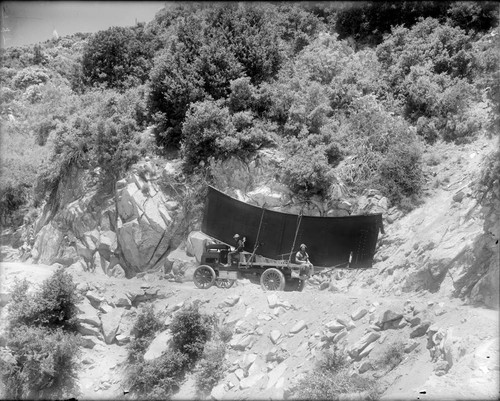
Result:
x=240 y=244
x=302 y=258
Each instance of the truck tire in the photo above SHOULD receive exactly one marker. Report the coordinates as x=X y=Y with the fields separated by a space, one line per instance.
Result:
x=272 y=280
x=224 y=282
x=204 y=277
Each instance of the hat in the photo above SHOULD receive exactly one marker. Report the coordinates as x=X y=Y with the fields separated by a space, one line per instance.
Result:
x=302 y=245
x=236 y=236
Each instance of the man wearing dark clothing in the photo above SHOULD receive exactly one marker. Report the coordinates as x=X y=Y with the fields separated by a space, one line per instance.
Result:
x=238 y=247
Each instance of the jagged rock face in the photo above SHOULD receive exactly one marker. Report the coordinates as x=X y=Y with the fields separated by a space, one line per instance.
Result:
x=453 y=248
x=125 y=233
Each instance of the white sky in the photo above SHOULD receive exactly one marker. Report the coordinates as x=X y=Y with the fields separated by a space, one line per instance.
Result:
x=29 y=22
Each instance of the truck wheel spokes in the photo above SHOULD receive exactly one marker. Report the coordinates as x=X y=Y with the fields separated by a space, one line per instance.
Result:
x=224 y=283
x=204 y=277
x=272 y=280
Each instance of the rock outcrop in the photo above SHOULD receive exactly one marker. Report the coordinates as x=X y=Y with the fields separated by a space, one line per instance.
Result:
x=129 y=231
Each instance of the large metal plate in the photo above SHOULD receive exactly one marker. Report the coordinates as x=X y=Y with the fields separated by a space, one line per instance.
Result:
x=329 y=240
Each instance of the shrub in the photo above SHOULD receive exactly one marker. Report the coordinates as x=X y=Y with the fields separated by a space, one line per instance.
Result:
x=321 y=385
x=147 y=323
x=145 y=327
x=393 y=356
x=381 y=150
x=400 y=173
x=210 y=369
x=306 y=171
x=44 y=364
x=333 y=360
x=117 y=57
x=30 y=76
x=52 y=306
x=211 y=132
x=11 y=199
x=207 y=132
x=159 y=378
x=191 y=330
x=242 y=96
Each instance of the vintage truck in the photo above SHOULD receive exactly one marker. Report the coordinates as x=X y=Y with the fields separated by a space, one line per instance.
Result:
x=273 y=236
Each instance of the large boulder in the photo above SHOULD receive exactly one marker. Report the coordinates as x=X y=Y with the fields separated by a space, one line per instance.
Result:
x=195 y=245
x=355 y=350
x=47 y=243
x=110 y=324
x=269 y=197
x=88 y=314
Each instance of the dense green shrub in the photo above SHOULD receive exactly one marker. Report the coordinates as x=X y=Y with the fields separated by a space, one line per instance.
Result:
x=43 y=349
x=392 y=356
x=146 y=325
x=30 y=76
x=473 y=16
x=101 y=133
x=53 y=305
x=438 y=47
x=324 y=385
x=210 y=48
x=333 y=360
x=190 y=331
x=12 y=197
x=307 y=171
x=367 y=22
x=159 y=378
x=210 y=131
x=117 y=57
x=400 y=174
x=44 y=364
x=381 y=150
x=207 y=132
x=210 y=368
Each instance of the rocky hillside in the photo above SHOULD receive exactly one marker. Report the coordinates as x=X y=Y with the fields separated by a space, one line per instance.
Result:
x=110 y=140
x=432 y=293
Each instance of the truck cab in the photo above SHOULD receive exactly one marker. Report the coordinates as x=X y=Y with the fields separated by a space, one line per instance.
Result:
x=215 y=254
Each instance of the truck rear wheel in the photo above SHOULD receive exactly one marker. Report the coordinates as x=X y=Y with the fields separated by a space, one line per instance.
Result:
x=272 y=280
x=204 y=277
x=224 y=282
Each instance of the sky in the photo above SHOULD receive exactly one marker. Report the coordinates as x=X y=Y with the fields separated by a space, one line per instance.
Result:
x=29 y=22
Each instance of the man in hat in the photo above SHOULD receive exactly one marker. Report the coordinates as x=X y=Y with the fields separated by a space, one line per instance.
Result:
x=239 y=245
x=302 y=258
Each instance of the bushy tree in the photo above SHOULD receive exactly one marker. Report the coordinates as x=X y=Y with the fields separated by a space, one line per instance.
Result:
x=367 y=22
x=117 y=57
x=43 y=349
x=30 y=76
x=473 y=16
x=298 y=26
x=207 y=132
x=209 y=50
x=52 y=306
x=190 y=331
x=160 y=378
x=210 y=131
x=381 y=150
x=439 y=47
x=43 y=364
x=307 y=171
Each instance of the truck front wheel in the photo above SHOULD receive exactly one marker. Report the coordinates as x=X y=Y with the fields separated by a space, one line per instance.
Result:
x=272 y=280
x=204 y=277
